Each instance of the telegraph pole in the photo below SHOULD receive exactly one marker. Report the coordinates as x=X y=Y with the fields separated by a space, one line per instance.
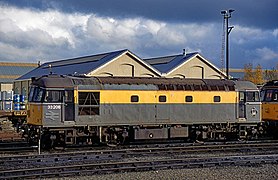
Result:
x=227 y=14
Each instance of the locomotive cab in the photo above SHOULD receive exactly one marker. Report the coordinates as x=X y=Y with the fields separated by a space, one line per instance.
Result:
x=269 y=97
x=50 y=107
x=249 y=104
x=51 y=102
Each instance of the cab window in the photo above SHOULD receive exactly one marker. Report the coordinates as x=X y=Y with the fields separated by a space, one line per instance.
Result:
x=271 y=95
x=53 y=96
x=275 y=96
x=268 y=96
x=36 y=94
x=252 y=96
x=31 y=94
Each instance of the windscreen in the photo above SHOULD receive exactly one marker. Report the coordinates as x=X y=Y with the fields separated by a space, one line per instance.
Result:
x=42 y=95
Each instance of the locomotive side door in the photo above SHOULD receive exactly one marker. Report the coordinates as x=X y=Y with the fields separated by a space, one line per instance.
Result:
x=163 y=108
x=68 y=104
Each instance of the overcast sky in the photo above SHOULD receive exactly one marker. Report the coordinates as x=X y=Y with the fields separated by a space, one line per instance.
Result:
x=46 y=30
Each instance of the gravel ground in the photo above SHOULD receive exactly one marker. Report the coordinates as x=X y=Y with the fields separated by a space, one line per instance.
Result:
x=267 y=172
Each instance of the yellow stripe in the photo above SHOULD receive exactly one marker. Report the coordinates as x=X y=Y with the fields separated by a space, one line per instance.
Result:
x=9 y=76
x=19 y=64
x=124 y=96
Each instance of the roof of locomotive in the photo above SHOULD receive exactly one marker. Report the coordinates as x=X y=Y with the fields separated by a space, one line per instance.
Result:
x=61 y=81
x=245 y=85
x=271 y=84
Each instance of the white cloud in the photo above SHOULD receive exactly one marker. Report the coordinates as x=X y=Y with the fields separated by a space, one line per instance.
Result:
x=242 y=35
x=76 y=34
x=275 y=32
x=53 y=23
x=266 y=53
x=29 y=35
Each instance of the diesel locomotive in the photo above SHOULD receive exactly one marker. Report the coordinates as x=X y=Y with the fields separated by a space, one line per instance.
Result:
x=65 y=110
x=269 y=94
x=269 y=98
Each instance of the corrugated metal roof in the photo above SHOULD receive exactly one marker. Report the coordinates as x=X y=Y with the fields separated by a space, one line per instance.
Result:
x=166 y=64
x=14 y=70
x=10 y=71
x=80 y=65
x=4 y=80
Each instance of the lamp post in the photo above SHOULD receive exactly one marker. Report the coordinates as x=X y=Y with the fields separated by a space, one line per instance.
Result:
x=227 y=14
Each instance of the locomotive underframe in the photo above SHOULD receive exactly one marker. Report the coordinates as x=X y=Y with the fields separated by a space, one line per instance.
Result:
x=95 y=135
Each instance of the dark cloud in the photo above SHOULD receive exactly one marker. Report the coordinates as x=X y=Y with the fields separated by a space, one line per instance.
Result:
x=254 y=13
x=47 y=30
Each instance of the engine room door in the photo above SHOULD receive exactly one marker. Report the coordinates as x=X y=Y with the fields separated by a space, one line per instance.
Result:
x=69 y=108
x=162 y=109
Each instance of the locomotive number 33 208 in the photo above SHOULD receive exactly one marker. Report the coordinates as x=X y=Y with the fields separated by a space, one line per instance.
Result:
x=54 y=107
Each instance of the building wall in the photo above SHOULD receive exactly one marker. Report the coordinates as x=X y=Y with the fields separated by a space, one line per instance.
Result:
x=22 y=87
x=125 y=65
x=195 y=68
x=6 y=86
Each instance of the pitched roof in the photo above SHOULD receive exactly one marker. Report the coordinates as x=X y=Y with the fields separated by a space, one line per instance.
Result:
x=167 y=63
x=79 y=65
x=10 y=71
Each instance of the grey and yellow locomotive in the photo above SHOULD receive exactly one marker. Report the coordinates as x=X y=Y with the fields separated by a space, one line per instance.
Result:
x=85 y=110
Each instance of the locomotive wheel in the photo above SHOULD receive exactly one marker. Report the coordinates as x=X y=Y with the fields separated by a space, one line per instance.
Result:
x=112 y=140
x=115 y=139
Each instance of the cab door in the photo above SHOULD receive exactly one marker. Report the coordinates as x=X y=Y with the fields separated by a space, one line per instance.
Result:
x=241 y=105
x=253 y=106
x=68 y=104
x=249 y=105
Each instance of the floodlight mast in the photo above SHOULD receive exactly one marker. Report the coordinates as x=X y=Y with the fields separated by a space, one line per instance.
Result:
x=227 y=14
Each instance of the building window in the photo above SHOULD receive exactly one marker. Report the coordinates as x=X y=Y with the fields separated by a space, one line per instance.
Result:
x=88 y=103
x=188 y=99
x=162 y=98
x=134 y=98
x=216 y=98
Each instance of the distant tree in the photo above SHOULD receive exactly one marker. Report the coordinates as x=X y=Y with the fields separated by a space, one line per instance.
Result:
x=271 y=74
x=248 y=72
x=258 y=75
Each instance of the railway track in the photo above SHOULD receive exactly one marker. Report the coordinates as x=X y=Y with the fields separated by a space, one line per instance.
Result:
x=16 y=147
x=138 y=159
x=119 y=166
